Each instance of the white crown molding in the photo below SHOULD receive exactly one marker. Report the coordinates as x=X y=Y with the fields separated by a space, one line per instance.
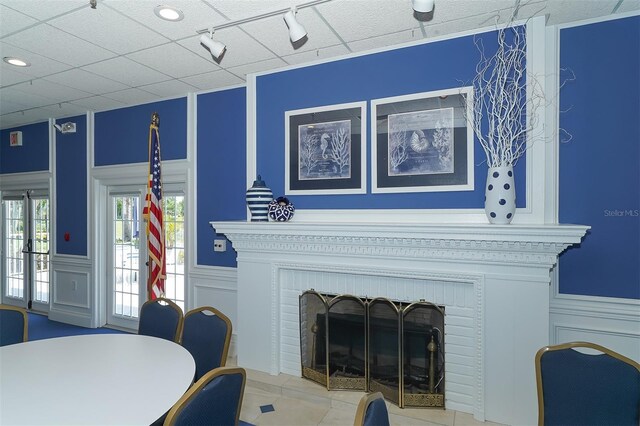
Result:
x=517 y=244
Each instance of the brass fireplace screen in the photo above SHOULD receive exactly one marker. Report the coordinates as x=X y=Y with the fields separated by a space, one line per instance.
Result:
x=375 y=345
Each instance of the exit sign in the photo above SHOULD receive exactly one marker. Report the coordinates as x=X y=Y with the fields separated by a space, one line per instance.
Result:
x=15 y=139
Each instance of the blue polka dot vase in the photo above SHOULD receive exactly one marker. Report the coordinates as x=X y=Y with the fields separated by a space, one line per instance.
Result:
x=500 y=195
x=258 y=199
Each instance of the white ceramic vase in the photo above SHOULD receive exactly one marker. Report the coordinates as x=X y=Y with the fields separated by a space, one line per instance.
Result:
x=500 y=195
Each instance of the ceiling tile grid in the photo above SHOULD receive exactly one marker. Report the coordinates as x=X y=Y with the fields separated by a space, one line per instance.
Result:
x=121 y=53
x=108 y=29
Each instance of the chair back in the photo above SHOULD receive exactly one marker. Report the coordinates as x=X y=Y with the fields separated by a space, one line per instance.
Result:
x=161 y=318
x=586 y=389
x=206 y=334
x=372 y=411
x=215 y=399
x=13 y=325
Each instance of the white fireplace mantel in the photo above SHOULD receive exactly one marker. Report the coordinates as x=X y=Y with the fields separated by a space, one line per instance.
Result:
x=492 y=279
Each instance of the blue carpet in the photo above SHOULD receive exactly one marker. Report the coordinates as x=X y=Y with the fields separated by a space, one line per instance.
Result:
x=40 y=327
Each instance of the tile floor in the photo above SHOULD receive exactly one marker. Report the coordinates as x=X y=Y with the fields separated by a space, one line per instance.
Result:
x=299 y=402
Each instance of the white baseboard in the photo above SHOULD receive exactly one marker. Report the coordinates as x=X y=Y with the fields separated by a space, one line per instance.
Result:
x=73 y=318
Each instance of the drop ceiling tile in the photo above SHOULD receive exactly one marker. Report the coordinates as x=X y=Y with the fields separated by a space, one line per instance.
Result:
x=9 y=75
x=132 y=96
x=274 y=34
x=43 y=10
x=86 y=81
x=173 y=59
x=213 y=80
x=234 y=9
x=576 y=10
x=53 y=43
x=197 y=15
x=12 y=21
x=7 y=107
x=40 y=65
x=64 y=110
x=353 y=20
x=98 y=103
x=241 y=48
x=386 y=40
x=109 y=29
x=126 y=72
x=629 y=6
x=12 y=94
x=270 y=64
x=54 y=91
x=30 y=116
x=170 y=88
x=317 y=55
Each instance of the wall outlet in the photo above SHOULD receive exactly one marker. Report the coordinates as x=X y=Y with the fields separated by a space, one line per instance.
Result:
x=219 y=245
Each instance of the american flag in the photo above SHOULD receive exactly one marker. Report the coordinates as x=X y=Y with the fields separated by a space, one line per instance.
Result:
x=153 y=216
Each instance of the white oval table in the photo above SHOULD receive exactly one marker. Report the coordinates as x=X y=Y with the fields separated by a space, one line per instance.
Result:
x=97 y=379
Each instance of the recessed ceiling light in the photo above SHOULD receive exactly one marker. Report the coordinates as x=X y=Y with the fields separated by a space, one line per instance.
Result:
x=168 y=13
x=16 y=61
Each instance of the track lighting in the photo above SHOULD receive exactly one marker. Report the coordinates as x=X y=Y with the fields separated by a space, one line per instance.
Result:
x=423 y=6
x=296 y=31
x=215 y=47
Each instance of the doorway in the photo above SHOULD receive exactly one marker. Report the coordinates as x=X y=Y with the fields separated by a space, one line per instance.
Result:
x=25 y=252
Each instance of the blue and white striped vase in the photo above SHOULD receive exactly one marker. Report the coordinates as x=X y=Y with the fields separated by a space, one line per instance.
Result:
x=258 y=199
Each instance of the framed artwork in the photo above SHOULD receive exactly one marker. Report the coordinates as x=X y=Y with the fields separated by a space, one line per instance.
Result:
x=325 y=150
x=422 y=142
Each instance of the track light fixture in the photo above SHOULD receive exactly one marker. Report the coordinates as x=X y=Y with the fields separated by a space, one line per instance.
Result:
x=423 y=6
x=296 y=31
x=215 y=47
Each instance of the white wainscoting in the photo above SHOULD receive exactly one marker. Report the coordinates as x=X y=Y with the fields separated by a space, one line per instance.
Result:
x=216 y=287
x=607 y=321
x=71 y=290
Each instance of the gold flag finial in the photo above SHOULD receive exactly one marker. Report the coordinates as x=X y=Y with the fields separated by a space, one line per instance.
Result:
x=155 y=119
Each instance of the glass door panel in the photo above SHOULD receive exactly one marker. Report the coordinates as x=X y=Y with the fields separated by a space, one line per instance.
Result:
x=125 y=283
x=25 y=259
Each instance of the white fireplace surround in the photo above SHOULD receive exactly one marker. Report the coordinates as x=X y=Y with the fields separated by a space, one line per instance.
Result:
x=493 y=281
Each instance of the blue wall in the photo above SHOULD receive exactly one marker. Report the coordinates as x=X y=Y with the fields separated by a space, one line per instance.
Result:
x=422 y=68
x=122 y=135
x=32 y=156
x=222 y=169
x=71 y=184
x=599 y=168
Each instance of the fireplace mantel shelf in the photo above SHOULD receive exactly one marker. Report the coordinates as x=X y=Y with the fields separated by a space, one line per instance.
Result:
x=524 y=244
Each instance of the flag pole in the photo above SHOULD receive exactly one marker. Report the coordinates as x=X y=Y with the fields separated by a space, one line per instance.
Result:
x=155 y=123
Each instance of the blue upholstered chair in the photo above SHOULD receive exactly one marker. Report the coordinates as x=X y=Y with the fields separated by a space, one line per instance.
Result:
x=206 y=334
x=576 y=388
x=13 y=325
x=372 y=411
x=161 y=318
x=215 y=399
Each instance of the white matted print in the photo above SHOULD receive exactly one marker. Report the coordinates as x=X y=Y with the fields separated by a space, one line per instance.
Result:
x=422 y=142
x=325 y=150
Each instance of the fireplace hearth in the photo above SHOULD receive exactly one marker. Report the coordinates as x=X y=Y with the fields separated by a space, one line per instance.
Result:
x=376 y=345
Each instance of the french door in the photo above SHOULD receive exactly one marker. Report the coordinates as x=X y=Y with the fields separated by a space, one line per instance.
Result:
x=25 y=250
x=127 y=252
x=126 y=241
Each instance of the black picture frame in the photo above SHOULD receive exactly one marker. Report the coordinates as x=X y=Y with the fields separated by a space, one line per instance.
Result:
x=423 y=142
x=325 y=150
